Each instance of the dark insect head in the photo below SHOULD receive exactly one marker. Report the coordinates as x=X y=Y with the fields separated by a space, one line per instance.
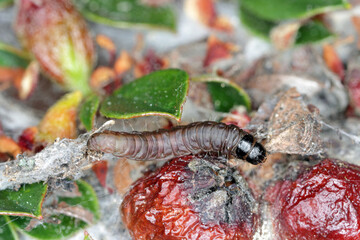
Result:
x=250 y=150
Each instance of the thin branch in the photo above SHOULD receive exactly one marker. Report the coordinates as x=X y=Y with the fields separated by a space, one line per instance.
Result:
x=66 y=158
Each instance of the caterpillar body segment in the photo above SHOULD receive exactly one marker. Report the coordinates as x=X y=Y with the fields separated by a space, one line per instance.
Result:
x=195 y=138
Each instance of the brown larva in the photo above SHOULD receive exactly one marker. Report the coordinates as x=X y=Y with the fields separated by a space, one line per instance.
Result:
x=195 y=138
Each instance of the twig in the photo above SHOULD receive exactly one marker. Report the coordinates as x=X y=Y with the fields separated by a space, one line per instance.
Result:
x=66 y=158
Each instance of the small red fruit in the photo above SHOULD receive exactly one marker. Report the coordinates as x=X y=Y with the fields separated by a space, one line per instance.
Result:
x=323 y=202
x=191 y=198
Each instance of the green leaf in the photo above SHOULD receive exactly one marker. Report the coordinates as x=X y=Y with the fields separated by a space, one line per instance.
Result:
x=67 y=225
x=13 y=58
x=311 y=32
x=127 y=13
x=88 y=111
x=4 y=4
x=276 y=10
x=225 y=94
x=258 y=26
x=7 y=231
x=159 y=93
x=25 y=202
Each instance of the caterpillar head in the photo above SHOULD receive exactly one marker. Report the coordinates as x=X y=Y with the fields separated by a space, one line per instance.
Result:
x=250 y=150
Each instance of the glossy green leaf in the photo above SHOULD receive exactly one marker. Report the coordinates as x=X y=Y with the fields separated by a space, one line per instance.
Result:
x=7 y=231
x=312 y=32
x=88 y=110
x=27 y=201
x=225 y=94
x=6 y=3
x=276 y=10
x=127 y=13
x=67 y=225
x=257 y=26
x=12 y=57
x=159 y=93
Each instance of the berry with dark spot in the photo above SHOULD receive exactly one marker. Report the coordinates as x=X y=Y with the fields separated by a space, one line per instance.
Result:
x=191 y=198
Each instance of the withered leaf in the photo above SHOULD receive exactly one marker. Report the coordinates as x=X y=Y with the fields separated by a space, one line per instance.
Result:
x=293 y=129
x=75 y=211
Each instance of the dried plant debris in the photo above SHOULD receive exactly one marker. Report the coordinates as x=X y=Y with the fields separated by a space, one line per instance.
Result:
x=199 y=94
x=302 y=68
x=353 y=83
x=65 y=158
x=283 y=36
x=292 y=128
x=78 y=212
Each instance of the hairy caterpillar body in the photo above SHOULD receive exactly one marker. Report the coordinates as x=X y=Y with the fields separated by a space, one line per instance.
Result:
x=195 y=138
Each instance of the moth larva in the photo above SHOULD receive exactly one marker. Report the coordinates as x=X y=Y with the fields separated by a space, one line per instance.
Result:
x=195 y=138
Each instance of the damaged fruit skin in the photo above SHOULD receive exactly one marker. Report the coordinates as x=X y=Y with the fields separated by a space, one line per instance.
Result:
x=322 y=203
x=188 y=198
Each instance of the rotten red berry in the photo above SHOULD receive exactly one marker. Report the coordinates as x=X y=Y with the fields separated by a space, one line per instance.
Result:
x=191 y=198
x=323 y=202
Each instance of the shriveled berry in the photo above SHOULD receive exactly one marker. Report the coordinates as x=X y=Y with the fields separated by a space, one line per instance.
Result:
x=323 y=202
x=191 y=198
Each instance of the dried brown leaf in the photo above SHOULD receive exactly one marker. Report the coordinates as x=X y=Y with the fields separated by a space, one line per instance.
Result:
x=151 y=62
x=356 y=22
x=106 y=43
x=101 y=77
x=123 y=63
x=27 y=82
x=293 y=128
x=9 y=147
x=333 y=61
x=205 y=12
x=75 y=211
x=283 y=36
x=218 y=50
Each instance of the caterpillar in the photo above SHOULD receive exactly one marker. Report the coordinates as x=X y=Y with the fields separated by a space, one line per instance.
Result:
x=195 y=138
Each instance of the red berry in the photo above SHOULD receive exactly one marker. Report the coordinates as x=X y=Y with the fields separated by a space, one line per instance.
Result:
x=323 y=202
x=191 y=198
